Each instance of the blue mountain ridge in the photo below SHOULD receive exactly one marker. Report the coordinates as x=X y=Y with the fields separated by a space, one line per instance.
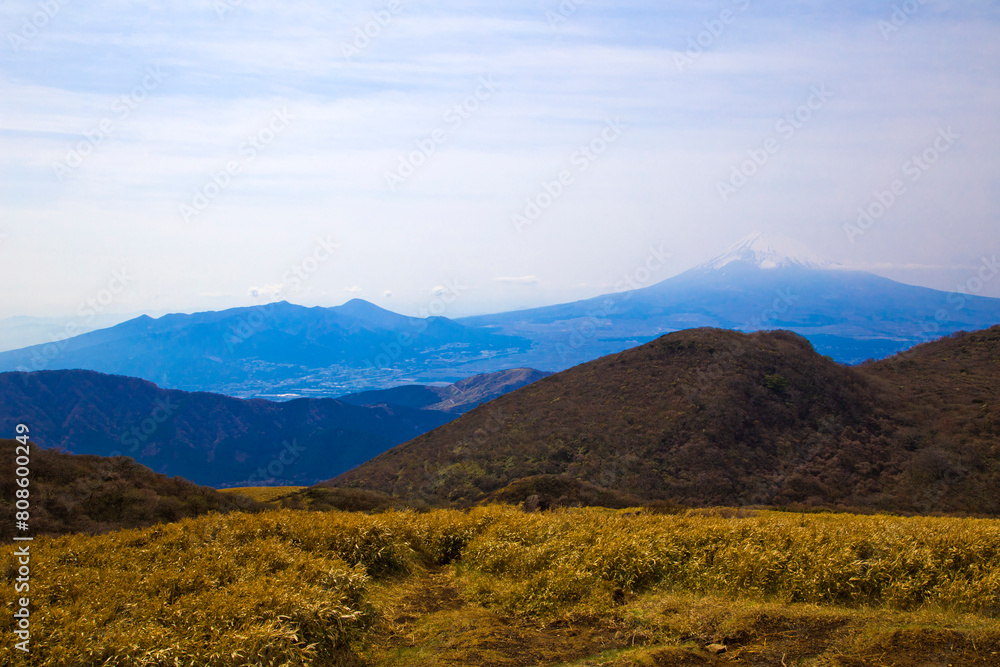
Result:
x=282 y=350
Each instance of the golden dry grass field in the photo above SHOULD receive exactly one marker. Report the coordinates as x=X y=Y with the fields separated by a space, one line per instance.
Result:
x=496 y=586
x=264 y=494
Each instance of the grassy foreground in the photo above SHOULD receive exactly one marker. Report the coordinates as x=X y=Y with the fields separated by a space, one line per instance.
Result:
x=496 y=586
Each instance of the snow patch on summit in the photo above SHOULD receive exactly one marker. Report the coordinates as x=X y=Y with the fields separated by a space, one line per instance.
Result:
x=769 y=251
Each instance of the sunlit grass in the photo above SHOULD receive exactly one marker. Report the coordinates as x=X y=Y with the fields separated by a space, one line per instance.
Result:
x=264 y=494
x=295 y=587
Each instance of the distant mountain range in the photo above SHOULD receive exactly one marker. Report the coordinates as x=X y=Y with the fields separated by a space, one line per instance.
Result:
x=278 y=350
x=21 y=331
x=283 y=351
x=716 y=417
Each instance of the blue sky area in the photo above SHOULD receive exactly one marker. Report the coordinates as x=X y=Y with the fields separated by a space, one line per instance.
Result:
x=224 y=153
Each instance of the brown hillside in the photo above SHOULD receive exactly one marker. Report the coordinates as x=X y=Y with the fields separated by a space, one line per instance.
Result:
x=93 y=494
x=949 y=421
x=703 y=416
x=707 y=416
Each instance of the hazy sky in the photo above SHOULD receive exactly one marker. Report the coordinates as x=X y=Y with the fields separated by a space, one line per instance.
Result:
x=191 y=155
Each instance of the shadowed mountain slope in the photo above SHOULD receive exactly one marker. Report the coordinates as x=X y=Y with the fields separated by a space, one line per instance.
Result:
x=208 y=438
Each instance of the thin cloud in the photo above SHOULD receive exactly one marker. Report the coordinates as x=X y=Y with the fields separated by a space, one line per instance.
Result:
x=268 y=291
x=890 y=265
x=522 y=280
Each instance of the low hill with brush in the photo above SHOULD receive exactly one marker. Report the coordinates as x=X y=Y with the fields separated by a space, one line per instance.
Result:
x=94 y=494
x=710 y=417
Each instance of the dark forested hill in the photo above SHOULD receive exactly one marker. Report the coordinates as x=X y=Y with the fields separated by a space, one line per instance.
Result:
x=207 y=438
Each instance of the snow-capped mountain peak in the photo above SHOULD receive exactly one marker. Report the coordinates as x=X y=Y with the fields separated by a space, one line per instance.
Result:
x=770 y=251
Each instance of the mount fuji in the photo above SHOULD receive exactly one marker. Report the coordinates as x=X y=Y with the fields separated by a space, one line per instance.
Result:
x=768 y=251
x=762 y=282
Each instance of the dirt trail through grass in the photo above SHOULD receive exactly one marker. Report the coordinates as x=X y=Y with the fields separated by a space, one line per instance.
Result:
x=433 y=623
x=430 y=622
